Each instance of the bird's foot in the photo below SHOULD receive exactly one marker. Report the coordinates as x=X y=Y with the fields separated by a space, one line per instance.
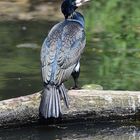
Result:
x=75 y=88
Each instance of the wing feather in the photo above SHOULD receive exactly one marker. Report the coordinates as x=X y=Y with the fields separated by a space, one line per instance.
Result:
x=61 y=51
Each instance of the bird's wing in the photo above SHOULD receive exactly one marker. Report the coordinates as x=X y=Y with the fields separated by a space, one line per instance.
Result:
x=45 y=60
x=61 y=51
x=73 y=43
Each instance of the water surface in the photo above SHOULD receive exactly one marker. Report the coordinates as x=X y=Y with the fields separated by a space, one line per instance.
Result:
x=73 y=132
x=20 y=43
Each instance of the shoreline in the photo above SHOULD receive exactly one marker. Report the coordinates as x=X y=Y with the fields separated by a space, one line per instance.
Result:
x=23 y=10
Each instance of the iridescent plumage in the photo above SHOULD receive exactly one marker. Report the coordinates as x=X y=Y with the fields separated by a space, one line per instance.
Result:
x=61 y=51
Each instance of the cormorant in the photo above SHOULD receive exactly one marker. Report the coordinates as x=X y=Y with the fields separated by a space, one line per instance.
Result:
x=60 y=56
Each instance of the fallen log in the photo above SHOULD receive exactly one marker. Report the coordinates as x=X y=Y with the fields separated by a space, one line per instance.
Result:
x=95 y=105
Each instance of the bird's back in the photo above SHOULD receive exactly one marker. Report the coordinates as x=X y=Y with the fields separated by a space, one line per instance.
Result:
x=61 y=51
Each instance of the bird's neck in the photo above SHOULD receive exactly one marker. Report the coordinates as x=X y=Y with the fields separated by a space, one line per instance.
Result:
x=78 y=17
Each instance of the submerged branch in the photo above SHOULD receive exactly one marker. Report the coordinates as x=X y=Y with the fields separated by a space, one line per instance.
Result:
x=95 y=105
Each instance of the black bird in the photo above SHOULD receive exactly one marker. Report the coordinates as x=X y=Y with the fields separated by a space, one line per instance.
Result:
x=60 y=56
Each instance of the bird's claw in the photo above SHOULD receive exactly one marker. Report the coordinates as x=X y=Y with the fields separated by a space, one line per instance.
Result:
x=75 y=88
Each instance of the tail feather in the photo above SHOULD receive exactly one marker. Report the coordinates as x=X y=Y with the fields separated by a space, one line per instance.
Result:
x=64 y=96
x=54 y=110
x=50 y=105
x=57 y=103
x=50 y=101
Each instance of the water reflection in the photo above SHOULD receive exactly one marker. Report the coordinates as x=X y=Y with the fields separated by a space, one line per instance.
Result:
x=101 y=64
x=75 y=131
x=20 y=43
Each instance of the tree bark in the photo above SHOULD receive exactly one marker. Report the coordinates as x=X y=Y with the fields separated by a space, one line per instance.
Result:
x=95 y=105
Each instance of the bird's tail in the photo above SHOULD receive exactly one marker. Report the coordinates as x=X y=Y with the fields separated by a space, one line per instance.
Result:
x=50 y=101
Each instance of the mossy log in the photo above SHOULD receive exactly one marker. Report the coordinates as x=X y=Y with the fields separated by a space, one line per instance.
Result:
x=95 y=105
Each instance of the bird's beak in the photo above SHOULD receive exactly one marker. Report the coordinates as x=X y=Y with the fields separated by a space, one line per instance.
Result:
x=80 y=2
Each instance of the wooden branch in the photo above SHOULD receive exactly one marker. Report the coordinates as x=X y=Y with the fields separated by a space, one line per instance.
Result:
x=96 y=105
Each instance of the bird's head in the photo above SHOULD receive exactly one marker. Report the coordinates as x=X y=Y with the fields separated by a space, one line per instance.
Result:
x=69 y=6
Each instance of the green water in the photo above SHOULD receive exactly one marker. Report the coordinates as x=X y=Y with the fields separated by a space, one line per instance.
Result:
x=100 y=64
x=20 y=66
x=114 y=28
